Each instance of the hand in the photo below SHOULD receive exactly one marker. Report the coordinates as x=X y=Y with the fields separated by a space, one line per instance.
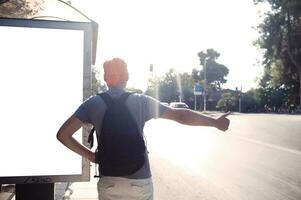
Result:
x=222 y=122
x=92 y=157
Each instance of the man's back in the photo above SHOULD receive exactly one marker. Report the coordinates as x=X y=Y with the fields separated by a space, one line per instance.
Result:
x=141 y=107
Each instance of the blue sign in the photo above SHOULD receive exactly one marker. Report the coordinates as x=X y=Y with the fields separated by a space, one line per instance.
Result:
x=198 y=89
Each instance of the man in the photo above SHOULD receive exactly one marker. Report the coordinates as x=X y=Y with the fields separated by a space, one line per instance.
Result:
x=137 y=185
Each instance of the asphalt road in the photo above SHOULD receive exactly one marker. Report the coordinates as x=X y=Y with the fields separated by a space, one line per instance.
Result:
x=258 y=158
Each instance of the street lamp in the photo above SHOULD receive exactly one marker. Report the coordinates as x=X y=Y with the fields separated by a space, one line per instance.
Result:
x=205 y=84
x=239 y=95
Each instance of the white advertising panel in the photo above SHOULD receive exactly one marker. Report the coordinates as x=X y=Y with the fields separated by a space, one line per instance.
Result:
x=41 y=84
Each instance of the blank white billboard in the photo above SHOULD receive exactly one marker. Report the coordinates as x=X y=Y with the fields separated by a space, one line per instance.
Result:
x=41 y=85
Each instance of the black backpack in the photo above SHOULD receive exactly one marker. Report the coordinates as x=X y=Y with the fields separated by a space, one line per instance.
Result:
x=121 y=147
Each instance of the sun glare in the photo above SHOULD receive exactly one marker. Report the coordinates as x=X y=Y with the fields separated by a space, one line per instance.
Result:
x=190 y=150
x=179 y=86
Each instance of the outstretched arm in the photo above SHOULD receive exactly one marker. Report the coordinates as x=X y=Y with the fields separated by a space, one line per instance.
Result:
x=65 y=133
x=190 y=117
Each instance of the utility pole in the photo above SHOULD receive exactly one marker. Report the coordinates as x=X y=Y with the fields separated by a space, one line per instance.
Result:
x=151 y=74
x=240 y=94
x=205 y=84
x=197 y=91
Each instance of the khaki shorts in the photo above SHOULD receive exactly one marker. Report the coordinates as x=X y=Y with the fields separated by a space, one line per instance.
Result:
x=115 y=188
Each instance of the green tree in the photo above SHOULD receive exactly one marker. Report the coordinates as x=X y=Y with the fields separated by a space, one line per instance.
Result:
x=226 y=102
x=96 y=83
x=168 y=89
x=215 y=72
x=252 y=101
x=163 y=88
x=277 y=92
x=280 y=38
x=170 y=86
x=152 y=87
x=20 y=8
x=187 y=84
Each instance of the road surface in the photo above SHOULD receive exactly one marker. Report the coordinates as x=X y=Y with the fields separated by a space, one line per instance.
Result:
x=258 y=158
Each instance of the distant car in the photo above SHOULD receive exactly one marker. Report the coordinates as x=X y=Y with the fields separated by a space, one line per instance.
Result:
x=164 y=103
x=178 y=105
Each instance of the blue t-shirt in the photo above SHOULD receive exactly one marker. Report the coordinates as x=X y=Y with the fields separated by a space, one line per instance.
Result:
x=142 y=108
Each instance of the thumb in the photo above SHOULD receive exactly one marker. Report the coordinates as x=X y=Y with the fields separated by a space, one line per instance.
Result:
x=225 y=114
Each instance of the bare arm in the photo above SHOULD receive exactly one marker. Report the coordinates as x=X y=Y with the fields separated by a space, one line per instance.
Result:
x=65 y=134
x=190 y=117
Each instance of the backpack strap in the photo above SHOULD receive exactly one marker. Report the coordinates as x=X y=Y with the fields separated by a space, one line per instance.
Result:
x=106 y=98
x=108 y=101
x=90 y=137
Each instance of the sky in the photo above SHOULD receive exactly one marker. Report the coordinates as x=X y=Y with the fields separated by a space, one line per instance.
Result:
x=169 y=34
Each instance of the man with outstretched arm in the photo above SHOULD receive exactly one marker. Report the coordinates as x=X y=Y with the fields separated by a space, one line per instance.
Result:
x=138 y=184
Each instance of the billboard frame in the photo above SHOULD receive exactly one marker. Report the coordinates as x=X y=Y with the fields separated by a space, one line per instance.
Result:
x=87 y=28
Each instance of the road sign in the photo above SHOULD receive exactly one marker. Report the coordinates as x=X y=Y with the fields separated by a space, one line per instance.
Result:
x=198 y=89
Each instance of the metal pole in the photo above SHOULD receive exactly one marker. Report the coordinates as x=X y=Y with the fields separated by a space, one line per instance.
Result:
x=205 y=84
x=240 y=94
x=194 y=102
